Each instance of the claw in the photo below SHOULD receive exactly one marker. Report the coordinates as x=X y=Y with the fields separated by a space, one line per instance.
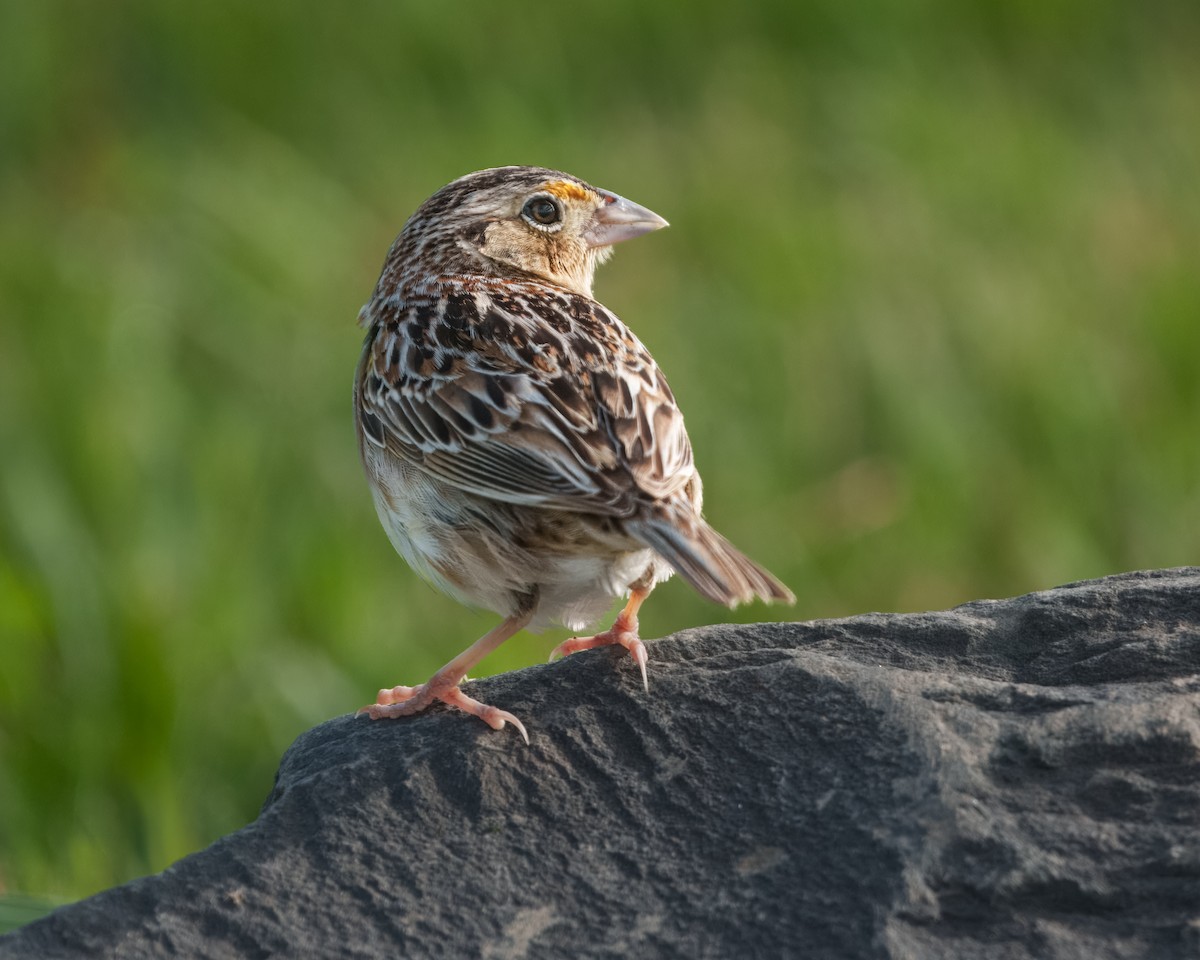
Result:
x=637 y=650
x=505 y=716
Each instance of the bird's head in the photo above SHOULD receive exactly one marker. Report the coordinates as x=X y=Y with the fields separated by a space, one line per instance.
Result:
x=519 y=222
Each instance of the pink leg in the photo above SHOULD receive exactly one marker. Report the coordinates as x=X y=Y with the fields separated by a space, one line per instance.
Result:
x=404 y=701
x=624 y=631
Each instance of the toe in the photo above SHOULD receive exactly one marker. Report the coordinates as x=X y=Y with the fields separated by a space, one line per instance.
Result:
x=395 y=694
x=494 y=717
x=575 y=644
x=566 y=648
x=383 y=711
x=399 y=702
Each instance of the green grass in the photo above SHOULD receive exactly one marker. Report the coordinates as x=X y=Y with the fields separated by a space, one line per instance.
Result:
x=930 y=300
x=16 y=911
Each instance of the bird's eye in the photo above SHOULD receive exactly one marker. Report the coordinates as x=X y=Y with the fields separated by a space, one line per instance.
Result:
x=542 y=210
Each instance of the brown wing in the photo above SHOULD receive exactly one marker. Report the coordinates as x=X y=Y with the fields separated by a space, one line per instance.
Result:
x=522 y=393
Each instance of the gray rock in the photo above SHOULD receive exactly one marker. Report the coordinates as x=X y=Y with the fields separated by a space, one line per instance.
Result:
x=1008 y=779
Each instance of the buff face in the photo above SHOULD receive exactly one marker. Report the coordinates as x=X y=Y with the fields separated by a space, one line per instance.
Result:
x=518 y=221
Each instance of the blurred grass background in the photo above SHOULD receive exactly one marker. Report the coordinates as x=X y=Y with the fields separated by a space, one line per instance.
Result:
x=930 y=300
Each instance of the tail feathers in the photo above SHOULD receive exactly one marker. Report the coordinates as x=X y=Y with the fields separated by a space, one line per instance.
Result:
x=710 y=563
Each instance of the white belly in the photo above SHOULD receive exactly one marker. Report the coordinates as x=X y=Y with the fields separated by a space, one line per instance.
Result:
x=470 y=551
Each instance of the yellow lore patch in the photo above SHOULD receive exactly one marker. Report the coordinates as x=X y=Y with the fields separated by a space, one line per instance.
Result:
x=566 y=190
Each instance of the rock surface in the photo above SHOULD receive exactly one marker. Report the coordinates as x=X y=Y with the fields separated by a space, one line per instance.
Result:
x=1008 y=779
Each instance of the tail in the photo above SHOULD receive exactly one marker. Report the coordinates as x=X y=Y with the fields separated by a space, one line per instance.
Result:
x=717 y=569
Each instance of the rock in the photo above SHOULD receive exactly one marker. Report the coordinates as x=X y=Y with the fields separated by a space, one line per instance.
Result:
x=1008 y=779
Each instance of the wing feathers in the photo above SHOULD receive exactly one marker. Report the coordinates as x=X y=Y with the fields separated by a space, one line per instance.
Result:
x=545 y=400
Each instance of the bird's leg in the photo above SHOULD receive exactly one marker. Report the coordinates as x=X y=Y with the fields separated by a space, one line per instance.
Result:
x=624 y=631
x=404 y=701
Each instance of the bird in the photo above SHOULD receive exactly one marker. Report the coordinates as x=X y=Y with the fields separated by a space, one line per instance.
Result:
x=523 y=449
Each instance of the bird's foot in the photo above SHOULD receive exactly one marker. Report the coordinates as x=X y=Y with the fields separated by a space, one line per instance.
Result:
x=623 y=632
x=404 y=701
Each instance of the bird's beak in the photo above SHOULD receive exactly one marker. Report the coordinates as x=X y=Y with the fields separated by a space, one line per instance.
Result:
x=620 y=219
